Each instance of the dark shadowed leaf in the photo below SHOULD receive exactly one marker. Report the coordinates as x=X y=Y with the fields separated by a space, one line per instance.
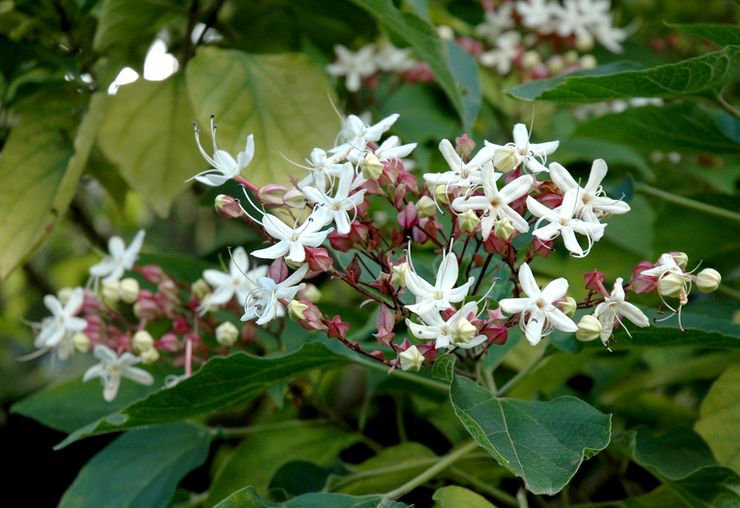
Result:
x=248 y=498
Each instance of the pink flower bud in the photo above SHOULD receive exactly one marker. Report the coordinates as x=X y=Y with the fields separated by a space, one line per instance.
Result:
x=472 y=46
x=550 y=199
x=497 y=333
x=408 y=217
x=152 y=273
x=464 y=145
x=421 y=73
x=318 y=259
x=359 y=232
x=594 y=281
x=337 y=329
x=278 y=270
x=643 y=283
x=272 y=194
x=354 y=271
x=342 y=243
x=542 y=247
x=385 y=322
x=147 y=306
x=181 y=326
x=227 y=206
x=168 y=342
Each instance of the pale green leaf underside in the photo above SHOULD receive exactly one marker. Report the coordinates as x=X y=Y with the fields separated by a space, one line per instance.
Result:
x=720 y=418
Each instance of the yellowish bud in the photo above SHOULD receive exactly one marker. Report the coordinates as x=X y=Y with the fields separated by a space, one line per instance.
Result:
x=227 y=333
x=531 y=59
x=440 y=194
x=129 y=290
x=588 y=62
x=311 y=293
x=411 y=359
x=569 y=306
x=468 y=221
x=505 y=159
x=681 y=259
x=425 y=207
x=463 y=332
x=296 y=310
x=589 y=328
x=111 y=290
x=81 y=342
x=570 y=57
x=200 y=289
x=503 y=228
x=143 y=341
x=64 y=294
x=150 y=356
x=584 y=42
x=398 y=274
x=708 y=280
x=671 y=284
x=371 y=166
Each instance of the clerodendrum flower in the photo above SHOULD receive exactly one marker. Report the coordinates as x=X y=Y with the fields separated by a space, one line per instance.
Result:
x=223 y=166
x=457 y=331
x=336 y=208
x=461 y=174
x=356 y=134
x=119 y=258
x=354 y=66
x=112 y=368
x=613 y=308
x=443 y=293
x=291 y=241
x=263 y=302
x=521 y=151
x=62 y=323
x=538 y=313
x=494 y=203
x=238 y=281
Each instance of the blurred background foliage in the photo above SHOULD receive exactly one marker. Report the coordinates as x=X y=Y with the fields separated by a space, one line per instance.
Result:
x=85 y=157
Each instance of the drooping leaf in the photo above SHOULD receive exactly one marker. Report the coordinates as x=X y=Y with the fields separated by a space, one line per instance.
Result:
x=249 y=498
x=139 y=469
x=261 y=455
x=147 y=133
x=39 y=170
x=680 y=127
x=675 y=454
x=543 y=442
x=220 y=384
x=720 y=418
x=710 y=487
x=695 y=76
x=718 y=33
x=280 y=98
x=421 y=36
x=453 y=496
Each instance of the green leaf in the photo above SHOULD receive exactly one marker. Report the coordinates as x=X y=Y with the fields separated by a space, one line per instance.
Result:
x=719 y=33
x=140 y=468
x=387 y=470
x=39 y=173
x=543 y=442
x=260 y=456
x=420 y=35
x=147 y=133
x=249 y=498
x=680 y=127
x=281 y=99
x=673 y=455
x=695 y=76
x=711 y=487
x=454 y=496
x=720 y=418
x=220 y=384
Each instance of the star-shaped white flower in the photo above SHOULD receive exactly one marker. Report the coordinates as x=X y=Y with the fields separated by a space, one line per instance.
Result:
x=457 y=331
x=562 y=222
x=461 y=174
x=336 y=208
x=508 y=47
x=392 y=149
x=536 y=14
x=613 y=308
x=392 y=59
x=63 y=322
x=239 y=281
x=495 y=203
x=538 y=313
x=353 y=66
x=495 y=22
x=263 y=302
x=223 y=166
x=443 y=293
x=291 y=241
x=532 y=155
x=119 y=259
x=112 y=368
x=356 y=134
x=322 y=168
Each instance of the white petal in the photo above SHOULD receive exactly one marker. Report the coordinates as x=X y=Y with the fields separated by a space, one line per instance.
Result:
x=54 y=305
x=297 y=253
x=562 y=177
x=598 y=172
x=570 y=241
x=94 y=371
x=139 y=375
x=634 y=314
x=560 y=321
x=274 y=251
x=521 y=137
x=276 y=228
x=526 y=280
x=447 y=272
x=450 y=155
x=515 y=305
x=555 y=290
x=533 y=328
x=516 y=188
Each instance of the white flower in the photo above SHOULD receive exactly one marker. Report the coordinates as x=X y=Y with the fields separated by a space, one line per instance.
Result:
x=495 y=204
x=457 y=331
x=613 y=308
x=112 y=367
x=461 y=174
x=561 y=222
x=443 y=293
x=392 y=149
x=532 y=155
x=538 y=313
x=354 y=66
x=495 y=22
x=335 y=208
x=666 y=264
x=263 y=302
x=537 y=14
x=508 y=47
x=119 y=258
x=238 y=281
x=291 y=241
x=223 y=166
x=322 y=168
x=356 y=134
x=392 y=59
x=592 y=203
x=56 y=331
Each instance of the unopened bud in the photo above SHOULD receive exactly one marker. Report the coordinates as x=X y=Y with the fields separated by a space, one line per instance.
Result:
x=398 y=274
x=463 y=332
x=589 y=328
x=149 y=356
x=425 y=207
x=568 y=306
x=464 y=146
x=555 y=64
x=708 y=280
x=143 y=341
x=272 y=194
x=227 y=206
x=588 y=62
x=671 y=284
x=81 y=342
x=294 y=199
x=505 y=159
x=445 y=32
x=584 y=42
x=111 y=292
x=129 y=290
x=311 y=293
x=371 y=166
x=296 y=310
x=503 y=228
x=227 y=333
x=411 y=359
x=468 y=221
x=200 y=289
x=571 y=57
x=440 y=194
x=530 y=60
x=681 y=259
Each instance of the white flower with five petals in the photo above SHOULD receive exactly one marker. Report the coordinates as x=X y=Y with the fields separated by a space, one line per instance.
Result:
x=263 y=302
x=335 y=208
x=119 y=259
x=112 y=368
x=532 y=155
x=291 y=241
x=239 y=281
x=353 y=65
x=613 y=308
x=461 y=174
x=62 y=324
x=457 y=331
x=223 y=166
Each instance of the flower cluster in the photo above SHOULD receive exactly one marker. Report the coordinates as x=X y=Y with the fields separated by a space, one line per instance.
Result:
x=370 y=60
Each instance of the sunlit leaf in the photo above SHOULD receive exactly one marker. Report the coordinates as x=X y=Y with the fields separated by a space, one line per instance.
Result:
x=720 y=418
x=454 y=496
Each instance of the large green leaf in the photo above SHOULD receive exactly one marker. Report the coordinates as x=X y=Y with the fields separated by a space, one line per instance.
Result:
x=139 y=469
x=695 y=76
x=221 y=383
x=249 y=498
x=120 y=19
x=457 y=79
x=543 y=442
x=260 y=456
x=719 y=33
x=39 y=171
x=453 y=496
x=720 y=418
x=680 y=127
x=147 y=133
x=282 y=99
